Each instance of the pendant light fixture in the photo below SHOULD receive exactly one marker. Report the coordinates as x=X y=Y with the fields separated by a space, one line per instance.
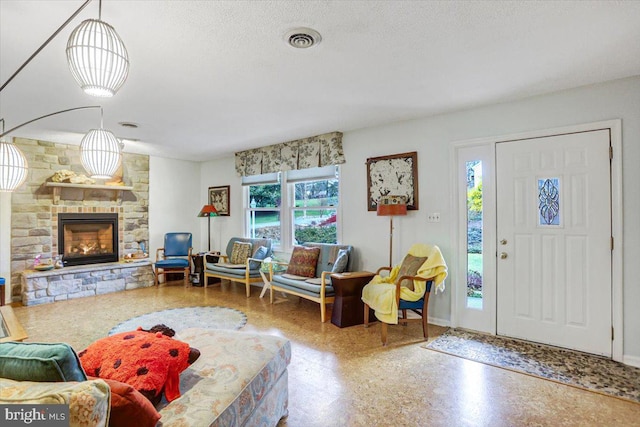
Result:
x=100 y=152
x=99 y=62
x=13 y=165
x=97 y=57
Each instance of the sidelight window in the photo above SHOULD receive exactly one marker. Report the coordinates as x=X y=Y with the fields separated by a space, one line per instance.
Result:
x=474 y=234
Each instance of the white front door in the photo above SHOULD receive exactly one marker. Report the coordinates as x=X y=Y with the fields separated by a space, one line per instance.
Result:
x=554 y=240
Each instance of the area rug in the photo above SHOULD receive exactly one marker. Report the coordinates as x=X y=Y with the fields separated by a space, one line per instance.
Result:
x=186 y=317
x=564 y=366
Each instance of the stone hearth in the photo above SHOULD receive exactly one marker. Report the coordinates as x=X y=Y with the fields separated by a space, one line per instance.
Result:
x=40 y=287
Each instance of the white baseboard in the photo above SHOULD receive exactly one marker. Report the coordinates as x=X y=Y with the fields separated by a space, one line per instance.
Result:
x=439 y=322
x=631 y=360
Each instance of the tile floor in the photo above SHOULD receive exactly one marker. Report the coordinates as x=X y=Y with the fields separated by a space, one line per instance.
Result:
x=344 y=377
x=566 y=366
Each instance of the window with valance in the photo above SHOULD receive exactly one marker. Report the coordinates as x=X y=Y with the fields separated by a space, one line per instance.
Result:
x=316 y=151
x=291 y=190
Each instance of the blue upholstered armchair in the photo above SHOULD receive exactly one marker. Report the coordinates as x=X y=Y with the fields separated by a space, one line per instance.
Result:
x=175 y=256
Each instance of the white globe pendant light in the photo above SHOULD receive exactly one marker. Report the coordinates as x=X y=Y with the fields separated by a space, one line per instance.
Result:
x=13 y=166
x=99 y=62
x=100 y=153
x=97 y=57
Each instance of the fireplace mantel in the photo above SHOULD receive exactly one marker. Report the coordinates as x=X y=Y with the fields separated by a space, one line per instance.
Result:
x=58 y=186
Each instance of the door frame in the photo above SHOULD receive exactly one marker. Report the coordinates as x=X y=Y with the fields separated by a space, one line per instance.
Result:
x=458 y=226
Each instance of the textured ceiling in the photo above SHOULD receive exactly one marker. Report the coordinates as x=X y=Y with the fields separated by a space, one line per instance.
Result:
x=209 y=78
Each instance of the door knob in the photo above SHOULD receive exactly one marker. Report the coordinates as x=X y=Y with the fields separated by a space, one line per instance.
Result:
x=503 y=255
x=503 y=241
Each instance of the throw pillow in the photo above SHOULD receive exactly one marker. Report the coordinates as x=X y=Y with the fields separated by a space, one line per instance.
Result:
x=88 y=400
x=48 y=362
x=340 y=264
x=260 y=253
x=303 y=261
x=150 y=362
x=240 y=252
x=129 y=408
x=409 y=267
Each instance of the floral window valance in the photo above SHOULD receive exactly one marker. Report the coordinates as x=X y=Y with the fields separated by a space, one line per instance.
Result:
x=316 y=151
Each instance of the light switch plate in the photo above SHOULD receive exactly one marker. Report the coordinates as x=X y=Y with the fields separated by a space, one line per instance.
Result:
x=433 y=217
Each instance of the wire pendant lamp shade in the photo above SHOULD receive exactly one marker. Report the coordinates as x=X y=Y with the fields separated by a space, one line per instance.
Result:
x=13 y=166
x=100 y=153
x=97 y=58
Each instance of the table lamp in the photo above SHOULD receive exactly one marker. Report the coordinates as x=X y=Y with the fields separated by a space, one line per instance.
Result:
x=391 y=206
x=208 y=211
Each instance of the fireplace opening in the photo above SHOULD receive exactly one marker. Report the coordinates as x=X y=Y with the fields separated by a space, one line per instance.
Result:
x=88 y=238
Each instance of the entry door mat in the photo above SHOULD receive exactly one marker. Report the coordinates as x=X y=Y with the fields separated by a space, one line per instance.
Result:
x=186 y=317
x=564 y=366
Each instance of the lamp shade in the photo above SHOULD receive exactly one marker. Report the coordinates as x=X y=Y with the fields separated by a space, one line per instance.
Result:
x=97 y=58
x=392 y=205
x=208 y=210
x=100 y=153
x=386 y=210
x=13 y=166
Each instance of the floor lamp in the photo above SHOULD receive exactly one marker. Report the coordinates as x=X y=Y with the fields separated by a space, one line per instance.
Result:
x=208 y=211
x=391 y=206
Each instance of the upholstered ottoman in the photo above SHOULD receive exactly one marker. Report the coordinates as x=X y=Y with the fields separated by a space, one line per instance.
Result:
x=240 y=379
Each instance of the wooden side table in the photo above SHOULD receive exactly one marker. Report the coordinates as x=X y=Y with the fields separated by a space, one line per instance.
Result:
x=198 y=267
x=348 y=308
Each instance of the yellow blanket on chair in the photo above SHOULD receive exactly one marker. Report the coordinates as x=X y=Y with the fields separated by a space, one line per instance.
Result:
x=380 y=293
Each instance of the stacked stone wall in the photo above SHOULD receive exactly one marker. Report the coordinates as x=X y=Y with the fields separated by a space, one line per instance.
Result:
x=83 y=281
x=33 y=211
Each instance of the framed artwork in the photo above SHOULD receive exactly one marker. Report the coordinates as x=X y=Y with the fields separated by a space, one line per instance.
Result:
x=393 y=175
x=219 y=198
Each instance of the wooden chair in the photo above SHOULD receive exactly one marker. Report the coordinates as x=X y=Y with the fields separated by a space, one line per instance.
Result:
x=175 y=256
x=419 y=307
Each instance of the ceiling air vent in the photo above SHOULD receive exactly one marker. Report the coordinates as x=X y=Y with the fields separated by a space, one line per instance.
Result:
x=302 y=38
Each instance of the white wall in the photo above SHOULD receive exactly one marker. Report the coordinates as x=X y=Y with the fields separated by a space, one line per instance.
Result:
x=214 y=174
x=431 y=138
x=174 y=200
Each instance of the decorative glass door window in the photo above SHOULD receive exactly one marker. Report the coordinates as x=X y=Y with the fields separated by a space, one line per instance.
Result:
x=549 y=201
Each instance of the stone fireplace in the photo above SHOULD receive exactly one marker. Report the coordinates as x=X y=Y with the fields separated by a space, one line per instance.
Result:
x=37 y=231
